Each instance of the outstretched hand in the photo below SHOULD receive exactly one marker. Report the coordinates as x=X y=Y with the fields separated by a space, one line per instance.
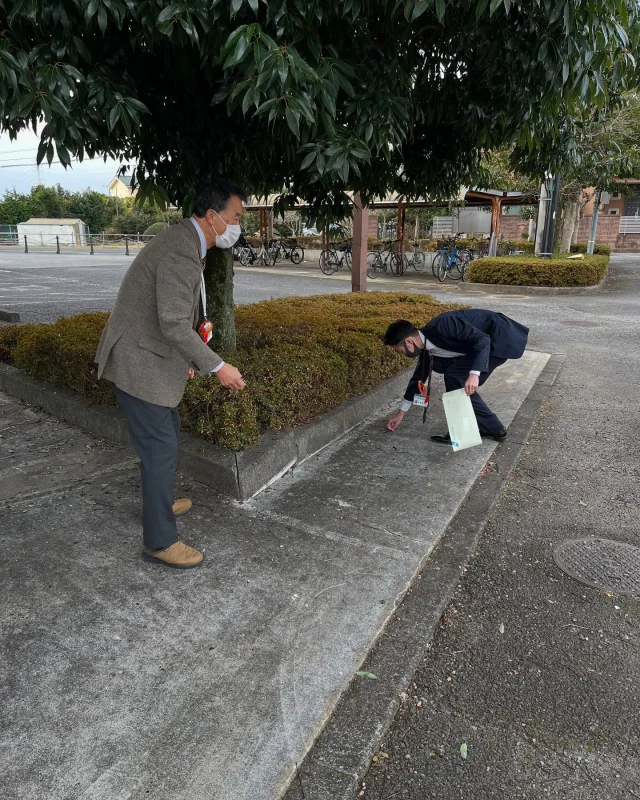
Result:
x=230 y=378
x=395 y=420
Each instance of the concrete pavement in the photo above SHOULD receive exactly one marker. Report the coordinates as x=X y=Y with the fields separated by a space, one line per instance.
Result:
x=549 y=707
x=124 y=680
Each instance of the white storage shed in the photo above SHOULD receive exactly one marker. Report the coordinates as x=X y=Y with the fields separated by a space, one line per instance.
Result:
x=43 y=232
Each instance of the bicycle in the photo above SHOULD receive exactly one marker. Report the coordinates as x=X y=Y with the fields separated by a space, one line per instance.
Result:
x=385 y=260
x=417 y=259
x=290 y=249
x=248 y=254
x=451 y=260
x=334 y=258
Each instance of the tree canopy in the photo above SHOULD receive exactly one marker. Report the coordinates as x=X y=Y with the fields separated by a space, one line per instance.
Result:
x=310 y=97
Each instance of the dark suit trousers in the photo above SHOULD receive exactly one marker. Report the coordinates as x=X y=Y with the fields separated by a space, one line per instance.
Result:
x=456 y=372
x=155 y=434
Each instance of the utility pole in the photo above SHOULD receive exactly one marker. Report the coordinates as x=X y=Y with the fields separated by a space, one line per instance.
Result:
x=594 y=223
x=552 y=187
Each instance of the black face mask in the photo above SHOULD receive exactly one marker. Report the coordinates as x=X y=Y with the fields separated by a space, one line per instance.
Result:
x=412 y=353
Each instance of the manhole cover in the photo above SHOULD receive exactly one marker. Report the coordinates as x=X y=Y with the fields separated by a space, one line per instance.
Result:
x=601 y=563
x=576 y=323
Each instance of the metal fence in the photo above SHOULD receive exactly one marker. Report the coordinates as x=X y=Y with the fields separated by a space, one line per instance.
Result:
x=113 y=242
x=630 y=225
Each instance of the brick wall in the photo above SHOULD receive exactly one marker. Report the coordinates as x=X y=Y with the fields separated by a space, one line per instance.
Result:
x=512 y=227
x=609 y=233
x=372 y=230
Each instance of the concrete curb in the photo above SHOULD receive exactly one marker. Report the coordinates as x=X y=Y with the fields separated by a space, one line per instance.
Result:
x=9 y=316
x=241 y=475
x=341 y=755
x=500 y=288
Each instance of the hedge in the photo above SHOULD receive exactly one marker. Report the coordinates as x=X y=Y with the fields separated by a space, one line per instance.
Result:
x=598 y=250
x=300 y=356
x=155 y=229
x=532 y=271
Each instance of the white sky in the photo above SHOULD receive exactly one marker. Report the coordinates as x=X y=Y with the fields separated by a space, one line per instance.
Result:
x=18 y=168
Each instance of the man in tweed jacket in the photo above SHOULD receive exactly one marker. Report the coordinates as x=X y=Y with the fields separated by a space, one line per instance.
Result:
x=149 y=348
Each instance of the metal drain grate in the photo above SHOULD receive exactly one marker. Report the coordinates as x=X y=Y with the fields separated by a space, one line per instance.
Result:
x=601 y=563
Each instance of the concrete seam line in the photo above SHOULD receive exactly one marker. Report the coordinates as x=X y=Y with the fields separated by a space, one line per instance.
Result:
x=366 y=709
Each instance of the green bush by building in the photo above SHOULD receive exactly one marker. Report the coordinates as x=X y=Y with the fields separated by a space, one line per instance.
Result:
x=531 y=271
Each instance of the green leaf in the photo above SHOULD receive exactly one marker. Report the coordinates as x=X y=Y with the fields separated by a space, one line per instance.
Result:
x=102 y=19
x=114 y=116
x=168 y=13
x=481 y=7
x=236 y=5
x=494 y=5
x=365 y=674
x=308 y=159
x=463 y=750
x=293 y=120
x=418 y=9
x=440 y=9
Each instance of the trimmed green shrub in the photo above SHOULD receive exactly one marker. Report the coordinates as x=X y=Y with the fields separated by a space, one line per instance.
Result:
x=62 y=354
x=532 y=271
x=300 y=356
x=155 y=229
x=598 y=250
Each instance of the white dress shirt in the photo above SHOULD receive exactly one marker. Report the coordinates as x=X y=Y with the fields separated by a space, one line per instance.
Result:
x=203 y=255
x=440 y=353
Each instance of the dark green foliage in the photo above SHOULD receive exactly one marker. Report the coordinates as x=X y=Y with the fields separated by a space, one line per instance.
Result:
x=155 y=229
x=598 y=250
x=532 y=271
x=299 y=356
x=315 y=96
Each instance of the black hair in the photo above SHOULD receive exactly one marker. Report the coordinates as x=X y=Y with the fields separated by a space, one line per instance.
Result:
x=216 y=195
x=398 y=331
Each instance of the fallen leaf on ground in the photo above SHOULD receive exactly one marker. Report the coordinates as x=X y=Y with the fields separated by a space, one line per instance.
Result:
x=463 y=750
x=501 y=628
x=364 y=674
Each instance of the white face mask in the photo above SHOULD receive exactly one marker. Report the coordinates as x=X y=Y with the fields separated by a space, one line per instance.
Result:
x=229 y=237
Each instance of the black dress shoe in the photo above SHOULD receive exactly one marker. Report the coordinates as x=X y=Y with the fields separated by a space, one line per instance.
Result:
x=442 y=439
x=499 y=436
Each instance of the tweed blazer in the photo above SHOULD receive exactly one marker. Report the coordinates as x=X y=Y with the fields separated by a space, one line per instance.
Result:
x=150 y=341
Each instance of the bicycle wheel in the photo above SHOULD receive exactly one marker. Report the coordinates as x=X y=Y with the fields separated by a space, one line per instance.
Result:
x=439 y=258
x=443 y=269
x=245 y=256
x=264 y=257
x=329 y=262
x=375 y=266
x=456 y=268
x=297 y=254
x=419 y=261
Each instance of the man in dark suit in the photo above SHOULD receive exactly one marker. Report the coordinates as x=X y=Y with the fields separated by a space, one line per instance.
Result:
x=465 y=346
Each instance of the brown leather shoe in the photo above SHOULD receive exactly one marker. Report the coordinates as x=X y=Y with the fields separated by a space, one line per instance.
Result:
x=181 y=506
x=179 y=555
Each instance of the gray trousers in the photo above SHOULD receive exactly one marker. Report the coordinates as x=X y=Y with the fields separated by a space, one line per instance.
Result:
x=155 y=435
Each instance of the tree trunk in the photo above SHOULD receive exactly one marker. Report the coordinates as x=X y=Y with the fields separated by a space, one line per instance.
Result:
x=567 y=217
x=218 y=280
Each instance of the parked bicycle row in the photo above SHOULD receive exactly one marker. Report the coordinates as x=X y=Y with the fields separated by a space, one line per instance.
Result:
x=267 y=251
x=450 y=260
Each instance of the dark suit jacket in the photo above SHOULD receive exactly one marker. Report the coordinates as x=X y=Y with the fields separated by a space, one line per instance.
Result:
x=476 y=333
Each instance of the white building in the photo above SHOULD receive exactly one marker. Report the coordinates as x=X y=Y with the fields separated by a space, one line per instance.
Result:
x=43 y=232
